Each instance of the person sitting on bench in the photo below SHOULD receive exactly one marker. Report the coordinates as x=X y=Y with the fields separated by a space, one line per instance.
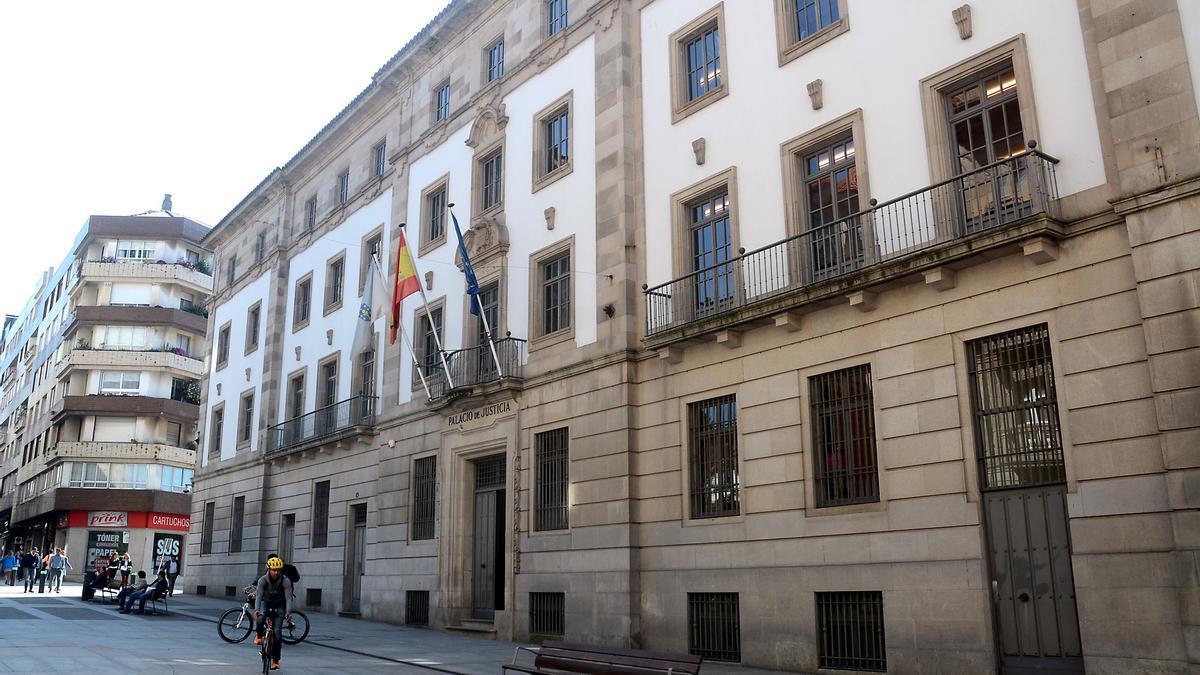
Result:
x=160 y=585
x=137 y=587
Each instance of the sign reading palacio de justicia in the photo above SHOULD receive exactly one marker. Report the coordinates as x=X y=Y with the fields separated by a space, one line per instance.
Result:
x=482 y=416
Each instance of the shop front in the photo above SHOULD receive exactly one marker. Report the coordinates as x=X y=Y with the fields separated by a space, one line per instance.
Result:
x=95 y=538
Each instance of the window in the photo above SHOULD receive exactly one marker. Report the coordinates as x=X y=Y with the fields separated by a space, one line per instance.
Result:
x=812 y=16
x=295 y=401
x=428 y=336
x=843 y=437
x=366 y=366
x=372 y=249
x=713 y=458
x=231 y=271
x=179 y=387
x=176 y=479
x=218 y=424
x=424 y=498
x=310 y=213
x=260 y=247
x=223 y=345
x=184 y=342
x=556 y=16
x=335 y=279
x=441 y=102
x=803 y=25
x=551 y=511
x=699 y=74
x=122 y=337
x=303 y=302
x=246 y=419
x=1015 y=408
x=492 y=183
x=328 y=382
x=136 y=250
x=552 y=138
x=320 y=510
x=379 y=158
x=557 y=142
x=343 y=187
x=710 y=250
x=120 y=382
x=495 y=61
x=416 y=608
x=236 y=523
x=206 y=537
x=830 y=196
x=252 y=319
x=850 y=631
x=433 y=215
x=555 y=278
x=714 y=626
x=547 y=615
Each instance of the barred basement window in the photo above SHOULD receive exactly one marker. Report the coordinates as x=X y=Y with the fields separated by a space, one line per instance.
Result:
x=714 y=626
x=320 y=510
x=552 y=510
x=206 y=536
x=712 y=457
x=843 y=428
x=312 y=597
x=424 y=497
x=547 y=615
x=230 y=591
x=416 y=608
x=850 y=631
x=237 y=523
x=1015 y=406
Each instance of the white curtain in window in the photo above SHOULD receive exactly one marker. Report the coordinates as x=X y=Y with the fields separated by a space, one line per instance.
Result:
x=115 y=429
x=130 y=294
x=136 y=250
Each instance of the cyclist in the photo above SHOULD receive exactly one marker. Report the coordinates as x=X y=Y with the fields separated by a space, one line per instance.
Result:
x=274 y=592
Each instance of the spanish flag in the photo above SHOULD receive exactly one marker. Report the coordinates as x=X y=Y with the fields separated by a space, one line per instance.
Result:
x=406 y=284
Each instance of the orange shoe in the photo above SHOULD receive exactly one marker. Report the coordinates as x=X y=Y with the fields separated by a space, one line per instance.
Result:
x=258 y=639
x=274 y=665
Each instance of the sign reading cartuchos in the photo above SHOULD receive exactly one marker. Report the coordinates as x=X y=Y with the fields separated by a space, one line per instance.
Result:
x=482 y=416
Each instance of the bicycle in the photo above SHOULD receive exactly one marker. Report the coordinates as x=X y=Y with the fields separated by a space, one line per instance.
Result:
x=235 y=624
x=268 y=641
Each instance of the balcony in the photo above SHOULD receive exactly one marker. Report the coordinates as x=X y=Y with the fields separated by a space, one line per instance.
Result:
x=134 y=360
x=475 y=367
x=119 y=315
x=160 y=272
x=118 y=405
x=352 y=417
x=121 y=452
x=998 y=205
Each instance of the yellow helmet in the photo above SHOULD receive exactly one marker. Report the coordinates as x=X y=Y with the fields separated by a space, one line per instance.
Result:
x=275 y=564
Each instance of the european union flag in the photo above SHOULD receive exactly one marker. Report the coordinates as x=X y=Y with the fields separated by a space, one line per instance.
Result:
x=468 y=271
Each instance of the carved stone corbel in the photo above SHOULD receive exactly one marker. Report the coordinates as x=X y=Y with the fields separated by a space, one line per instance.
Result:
x=816 y=94
x=549 y=213
x=429 y=280
x=962 y=20
x=698 y=146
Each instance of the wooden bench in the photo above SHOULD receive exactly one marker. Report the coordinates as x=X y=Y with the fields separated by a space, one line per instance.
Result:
x=554 y=657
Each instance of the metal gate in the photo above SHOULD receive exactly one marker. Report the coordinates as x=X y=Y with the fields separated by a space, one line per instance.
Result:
x=356 y=555
x=1022 y=478
x=488 y=578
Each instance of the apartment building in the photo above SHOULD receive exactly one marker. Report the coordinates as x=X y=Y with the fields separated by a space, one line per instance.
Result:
x=830 y=335
x=106 y=453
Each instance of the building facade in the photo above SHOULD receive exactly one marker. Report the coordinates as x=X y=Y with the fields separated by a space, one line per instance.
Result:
x=803 y=359
x=104 y=457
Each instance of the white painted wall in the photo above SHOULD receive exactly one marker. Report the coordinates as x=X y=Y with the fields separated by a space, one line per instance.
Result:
x=232 y=377
x=1189 y=17
x=877 y=66
x=573 y=198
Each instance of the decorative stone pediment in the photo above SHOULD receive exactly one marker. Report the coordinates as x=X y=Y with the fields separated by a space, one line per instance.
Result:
x=488 y=126
x=486 y=238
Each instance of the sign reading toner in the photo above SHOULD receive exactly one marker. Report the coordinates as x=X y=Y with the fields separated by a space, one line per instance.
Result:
x=483 y=416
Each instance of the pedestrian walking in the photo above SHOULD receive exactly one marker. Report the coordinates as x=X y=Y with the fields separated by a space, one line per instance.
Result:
x=29 y=562
x=8 y=564
x=59 y=564
x=126 y=568
x=172 y=570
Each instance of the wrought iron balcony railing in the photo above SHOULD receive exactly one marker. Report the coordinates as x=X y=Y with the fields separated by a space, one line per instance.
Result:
x=352 y=414
x=475 y=365
x=993 y=196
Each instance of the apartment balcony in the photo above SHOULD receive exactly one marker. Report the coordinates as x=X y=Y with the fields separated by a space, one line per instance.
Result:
x=332 y=424
x=133 y=360
x=474 y=371
x=126 y=406
x=102 y=451
x=120 y=315
x=997 y=207
x=137 y=270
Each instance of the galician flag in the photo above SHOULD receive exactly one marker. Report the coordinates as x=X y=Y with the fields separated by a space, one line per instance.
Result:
x=369 y=309
x=406 y=284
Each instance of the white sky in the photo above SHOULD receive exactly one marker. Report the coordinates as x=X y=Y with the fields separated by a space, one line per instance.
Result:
x=105 y=106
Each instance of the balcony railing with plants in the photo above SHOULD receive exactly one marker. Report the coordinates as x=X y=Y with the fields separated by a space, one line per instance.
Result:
x=991 y=197
x=474 y=366
x=341 y=418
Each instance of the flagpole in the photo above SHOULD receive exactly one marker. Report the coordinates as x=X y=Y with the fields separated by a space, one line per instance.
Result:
x=400 y=329
x=487 y=330
x=429 y=315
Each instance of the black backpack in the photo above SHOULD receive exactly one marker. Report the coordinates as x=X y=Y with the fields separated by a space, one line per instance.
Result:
x=290 y=571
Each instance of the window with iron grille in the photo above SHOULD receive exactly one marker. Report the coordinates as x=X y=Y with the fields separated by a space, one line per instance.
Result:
x=713 y=457
x=379 y=157
x=320 y=511
x=236 y=524
x=714 y=626
x=343 y=187
x=206 y=534
x=843 y=437
x=556 y=15
x=1015 y=409
x=702 y=54
x=416 y=608
x=812 y=16
x=310 y=213
x=424 y=498
x=312 y=597
x=547 y=615
x=492 y=185
x=495 y=61
x=556 y=293
x=557 y=128
x=441 y=102
x=246 y=419
x=552 y=512
x=850 y=631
